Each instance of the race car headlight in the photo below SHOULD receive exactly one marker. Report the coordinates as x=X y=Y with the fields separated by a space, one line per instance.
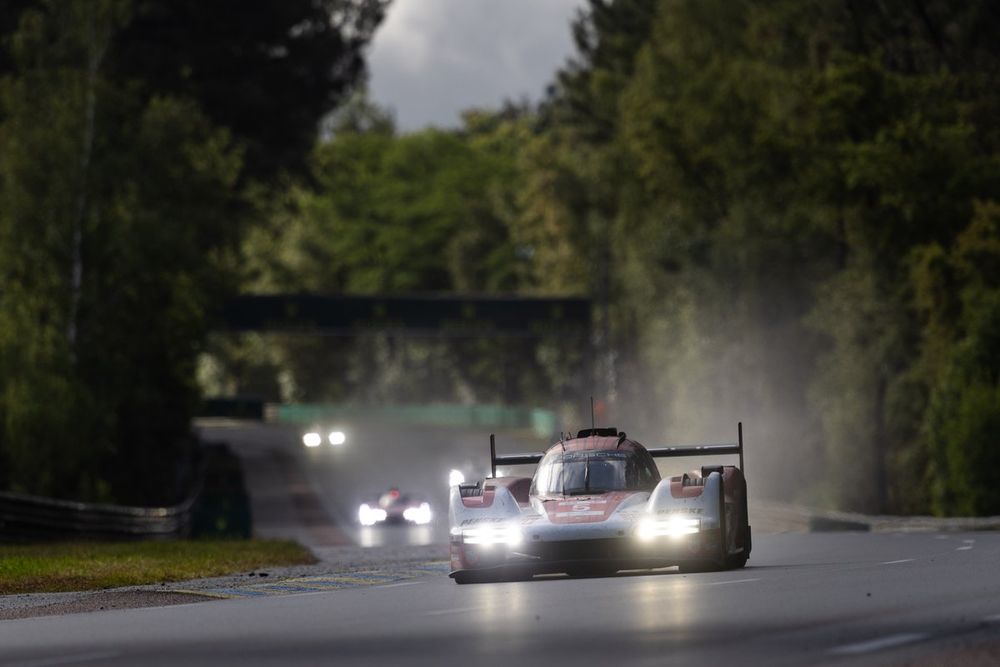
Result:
x=312 y=439
x=418 y=515
x=369 y=516
x=675 y=526
x=336 y=438
x=505 y=534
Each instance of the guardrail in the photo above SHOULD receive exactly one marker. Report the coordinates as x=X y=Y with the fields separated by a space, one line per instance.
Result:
x=26 y=517
x=775 y=517
x=217 y=505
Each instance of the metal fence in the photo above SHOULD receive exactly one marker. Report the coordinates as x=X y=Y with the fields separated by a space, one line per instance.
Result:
x=217 y=505
x=775 y=517
x=25 y=517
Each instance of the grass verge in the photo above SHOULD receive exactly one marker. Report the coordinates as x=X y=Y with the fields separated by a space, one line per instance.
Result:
x=79 y=566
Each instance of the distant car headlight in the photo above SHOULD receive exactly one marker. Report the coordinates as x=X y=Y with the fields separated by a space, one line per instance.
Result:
x=418 y=515
x=455 y=477
x=337 y=438
x=676 y=526
x=488 y=535
x=312 y=439
x=369 y=516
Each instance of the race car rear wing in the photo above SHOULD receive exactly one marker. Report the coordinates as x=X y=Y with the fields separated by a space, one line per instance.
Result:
x=703 y=450
x=509 y=459
x=663 y=452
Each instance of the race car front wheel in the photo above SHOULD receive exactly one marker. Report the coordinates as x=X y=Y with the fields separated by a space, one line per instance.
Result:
x=489 y=577
x=736 y=561
x=467 y=578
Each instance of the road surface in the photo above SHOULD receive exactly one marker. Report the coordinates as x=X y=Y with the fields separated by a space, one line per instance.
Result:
x=804 y=599
x=313 y=495
x=835 y=598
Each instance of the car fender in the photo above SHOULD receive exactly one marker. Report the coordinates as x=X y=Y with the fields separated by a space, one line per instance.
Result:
x=496 y=503
x=704 y=506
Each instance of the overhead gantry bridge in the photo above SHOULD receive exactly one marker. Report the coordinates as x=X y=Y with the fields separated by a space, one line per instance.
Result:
x=419 y=315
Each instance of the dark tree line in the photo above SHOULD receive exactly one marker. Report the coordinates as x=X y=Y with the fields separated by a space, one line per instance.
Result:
x=135 y=139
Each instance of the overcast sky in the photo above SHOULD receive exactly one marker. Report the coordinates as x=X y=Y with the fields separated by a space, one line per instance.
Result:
x=431 y=59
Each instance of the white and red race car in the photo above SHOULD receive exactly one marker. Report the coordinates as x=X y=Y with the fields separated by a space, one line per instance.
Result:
x=394 y=507
x=597 y=505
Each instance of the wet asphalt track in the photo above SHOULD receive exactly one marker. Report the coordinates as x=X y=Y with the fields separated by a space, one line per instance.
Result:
x=804 y=599
x=302 y=492
x=807 y=599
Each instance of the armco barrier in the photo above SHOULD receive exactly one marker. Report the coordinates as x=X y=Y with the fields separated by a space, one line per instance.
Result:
x=776 y=517
x=217 y=505
x=24 y=517
x=543 y=423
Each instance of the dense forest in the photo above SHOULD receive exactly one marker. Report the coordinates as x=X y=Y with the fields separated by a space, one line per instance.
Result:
x=134 y=139
x=786 y=212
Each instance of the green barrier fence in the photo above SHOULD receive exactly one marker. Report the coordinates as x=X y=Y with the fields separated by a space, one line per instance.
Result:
x=543 y=423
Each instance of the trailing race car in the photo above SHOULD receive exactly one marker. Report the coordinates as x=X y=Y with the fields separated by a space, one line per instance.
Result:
x=394 y=507
x=596 y=505
x=314 y=437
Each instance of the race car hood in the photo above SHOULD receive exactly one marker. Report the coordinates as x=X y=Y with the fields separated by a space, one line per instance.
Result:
x=593 y=508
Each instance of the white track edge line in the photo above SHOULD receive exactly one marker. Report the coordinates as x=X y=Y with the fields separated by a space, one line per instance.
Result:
x=878 y=644
x=456 y=610
x=400 y=583
x=734 y=581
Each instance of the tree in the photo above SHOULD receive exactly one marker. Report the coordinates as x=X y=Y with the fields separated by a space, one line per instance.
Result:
x=116 y=219
x=269 y=71
x=761 y=177
x=429 y=211
x=958 y=291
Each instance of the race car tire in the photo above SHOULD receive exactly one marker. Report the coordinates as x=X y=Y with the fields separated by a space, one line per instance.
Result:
x=737 y=561
x=491 y=577
x=469 y=578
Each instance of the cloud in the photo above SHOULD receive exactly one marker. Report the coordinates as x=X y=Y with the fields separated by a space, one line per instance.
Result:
x=431 y=59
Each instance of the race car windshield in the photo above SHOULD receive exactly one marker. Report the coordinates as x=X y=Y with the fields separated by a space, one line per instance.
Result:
x=578 y=473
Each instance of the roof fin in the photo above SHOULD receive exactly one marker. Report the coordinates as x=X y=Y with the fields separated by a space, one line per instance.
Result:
x=621 y=439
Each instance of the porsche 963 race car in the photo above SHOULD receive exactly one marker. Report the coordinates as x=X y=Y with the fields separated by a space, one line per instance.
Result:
x=596 y=505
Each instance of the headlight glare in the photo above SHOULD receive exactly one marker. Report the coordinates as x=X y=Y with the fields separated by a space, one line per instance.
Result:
x=418 y=515
x=369 y=516
x=506 y=534
x=675 y=526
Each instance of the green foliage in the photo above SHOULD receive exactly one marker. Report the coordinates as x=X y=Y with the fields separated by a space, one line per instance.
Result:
x=959 y=294
x=391 y=213
x=761 y=181
x=269 y=72
x=769 y=203
x=433 y=210
x=773 y=205
x=785 y=212
x=80 y=566
x=116 y=218
x=129 y=132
